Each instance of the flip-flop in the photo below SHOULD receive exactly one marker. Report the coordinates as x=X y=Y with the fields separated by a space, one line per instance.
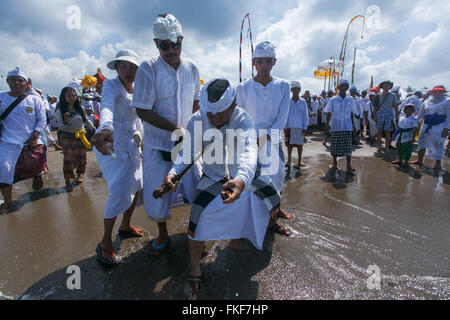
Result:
x=280 y=229
x=131 y=234
x=99 y=251
x=157 y=250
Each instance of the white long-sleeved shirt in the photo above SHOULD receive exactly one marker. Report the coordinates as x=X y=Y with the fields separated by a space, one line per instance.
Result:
x=341 y=113
x=28 y=116
x=118 y=115
x=267 y=105
x=240 y=158
x=168 y=92
x=298 y=115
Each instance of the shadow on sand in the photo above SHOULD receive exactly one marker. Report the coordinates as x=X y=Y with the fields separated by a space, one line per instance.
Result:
x=143 y=276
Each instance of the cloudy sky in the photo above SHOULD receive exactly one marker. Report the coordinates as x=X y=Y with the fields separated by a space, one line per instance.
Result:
x=405 y=41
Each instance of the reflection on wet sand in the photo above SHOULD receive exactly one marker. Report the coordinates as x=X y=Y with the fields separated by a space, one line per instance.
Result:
x=393 y=218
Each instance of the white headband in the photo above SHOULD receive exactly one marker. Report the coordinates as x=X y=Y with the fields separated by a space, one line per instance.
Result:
x=167 y=28
x=295 y=84
x=18 y=73
x=222 y=104
x=264 y=50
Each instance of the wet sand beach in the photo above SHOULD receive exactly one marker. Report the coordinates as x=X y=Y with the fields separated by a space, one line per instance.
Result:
x=395 y=221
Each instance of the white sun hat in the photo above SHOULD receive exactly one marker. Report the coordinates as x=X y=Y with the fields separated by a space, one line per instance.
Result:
x=124 y=55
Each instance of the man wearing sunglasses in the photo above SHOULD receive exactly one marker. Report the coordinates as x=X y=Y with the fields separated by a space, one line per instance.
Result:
x=166 y=92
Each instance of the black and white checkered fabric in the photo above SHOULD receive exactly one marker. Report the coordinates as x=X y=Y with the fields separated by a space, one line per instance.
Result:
x=207 y=190
x=341 y=143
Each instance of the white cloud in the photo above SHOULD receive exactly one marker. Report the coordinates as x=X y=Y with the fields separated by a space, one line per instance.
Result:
x=305 y=35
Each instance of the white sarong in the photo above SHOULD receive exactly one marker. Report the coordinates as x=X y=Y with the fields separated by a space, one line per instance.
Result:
x=9 y=154
x=246 y=218
x=123 y=176
x=296 y=136
x=155 y=171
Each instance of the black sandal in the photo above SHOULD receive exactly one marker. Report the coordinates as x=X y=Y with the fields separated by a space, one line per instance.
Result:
x=280 y=229
x=193 y=288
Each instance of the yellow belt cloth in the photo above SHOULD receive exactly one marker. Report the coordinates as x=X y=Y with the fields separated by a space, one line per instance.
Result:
x=81 y=134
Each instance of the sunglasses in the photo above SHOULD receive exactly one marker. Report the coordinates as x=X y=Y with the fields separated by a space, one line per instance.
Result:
x=165 y=45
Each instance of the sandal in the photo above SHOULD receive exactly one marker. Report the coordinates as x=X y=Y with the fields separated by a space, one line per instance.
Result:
x=133 y=233
x=280 y=229
x=157 y=250
x=99 y=251
x=193 y=288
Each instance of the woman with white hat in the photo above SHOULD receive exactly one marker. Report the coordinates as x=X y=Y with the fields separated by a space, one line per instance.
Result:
x=117 y=147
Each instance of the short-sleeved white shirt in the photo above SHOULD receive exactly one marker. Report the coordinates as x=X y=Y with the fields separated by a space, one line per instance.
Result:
x=341 y=111
x=168 y=92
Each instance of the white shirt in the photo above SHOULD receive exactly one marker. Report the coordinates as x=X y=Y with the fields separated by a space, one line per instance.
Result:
x=298 y=115
x=268 y=105
x=368 y=107
x=28 y=116
x=118 y=115
x=407 y=123
x=168 y=92
x=315 y=106
x=341 y=113
x=243 y=164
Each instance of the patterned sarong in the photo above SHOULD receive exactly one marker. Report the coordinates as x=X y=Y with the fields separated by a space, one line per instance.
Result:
x=207 y=190
x=341 y=143
x=31 y=163
x=74 y=155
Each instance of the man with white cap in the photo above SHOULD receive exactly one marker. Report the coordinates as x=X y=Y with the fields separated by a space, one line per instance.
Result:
x=232 y=200
x=20 y=128
x=266 y=99
x=297 y=123
x=166 y=91
x=340 y=123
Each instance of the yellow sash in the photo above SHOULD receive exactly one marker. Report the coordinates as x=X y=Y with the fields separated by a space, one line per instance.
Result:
x=81 y=134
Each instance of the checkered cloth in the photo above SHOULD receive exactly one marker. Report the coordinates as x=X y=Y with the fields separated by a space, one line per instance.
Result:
x=341 y=143
x=385 y=119
x=207 y=190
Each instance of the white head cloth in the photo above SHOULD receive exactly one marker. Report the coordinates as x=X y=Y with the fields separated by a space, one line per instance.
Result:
x=396 y=89
x=264 y=50
x=17 y=72
x=353 y=88
x=295 y=84
x=371 y=93
x=343 y=81
x=167 y=28
x=222 y=104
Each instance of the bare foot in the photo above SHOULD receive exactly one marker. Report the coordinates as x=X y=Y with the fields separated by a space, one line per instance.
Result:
x=80 y=178
x=285 y=215
x=236 y=245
